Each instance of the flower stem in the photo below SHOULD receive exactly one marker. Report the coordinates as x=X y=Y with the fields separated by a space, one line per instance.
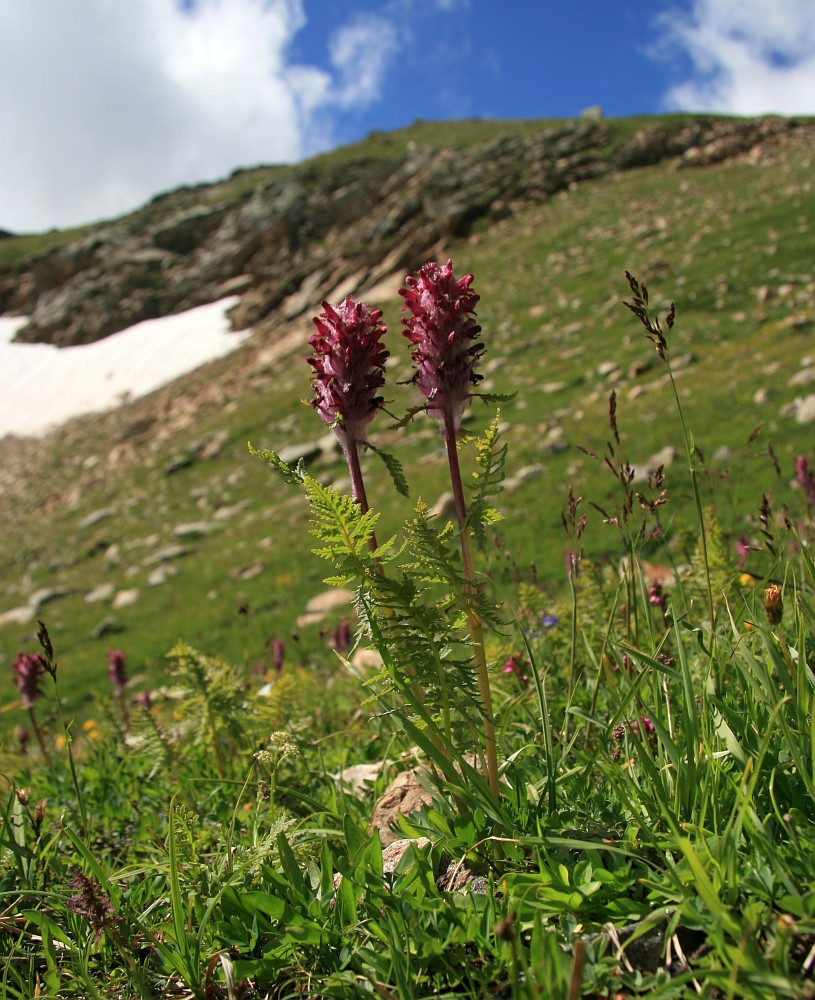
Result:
x=357 y=482
x=38 y=733
x=476 y=632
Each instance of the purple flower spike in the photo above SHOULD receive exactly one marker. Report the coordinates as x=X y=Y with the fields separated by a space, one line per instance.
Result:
x=29 y=670
x=444 y=334
x=279 y=654
x=92 y=902
x=349 y=367
x=116 y=670
x=805 y=478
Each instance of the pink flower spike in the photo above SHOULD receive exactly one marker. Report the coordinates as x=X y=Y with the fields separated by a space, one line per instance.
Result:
x=29 y=671
x=116 y=670
x=444 y=334
x=348 y=367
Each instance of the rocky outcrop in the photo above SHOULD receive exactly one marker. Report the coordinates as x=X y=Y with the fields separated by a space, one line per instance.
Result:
x=281 y=237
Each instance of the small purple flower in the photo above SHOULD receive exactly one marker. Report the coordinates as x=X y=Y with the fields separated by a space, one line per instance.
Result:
x=29 y=670
x=743 y=549
x=341 y=637
x=91 y=902
x=348 y=367
x=656 y=597
x=116 y=670
x=515 y=665
x=444 y=337
x=805 y=478
x=648 y=727
x=144 y=700
x=278 y=654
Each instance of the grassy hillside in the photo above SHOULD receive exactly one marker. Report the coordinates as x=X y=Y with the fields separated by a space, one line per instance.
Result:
x=732 y=244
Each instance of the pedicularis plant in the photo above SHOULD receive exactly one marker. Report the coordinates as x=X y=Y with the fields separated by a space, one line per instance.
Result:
x=652 y=830
x=418 y=597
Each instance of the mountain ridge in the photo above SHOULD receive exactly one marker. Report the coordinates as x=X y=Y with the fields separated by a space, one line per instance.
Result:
x=275 y=236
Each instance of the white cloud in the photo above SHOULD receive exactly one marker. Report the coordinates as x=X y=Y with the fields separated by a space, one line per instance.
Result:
x=360 y=53
x=103 y=103
x=749 y=57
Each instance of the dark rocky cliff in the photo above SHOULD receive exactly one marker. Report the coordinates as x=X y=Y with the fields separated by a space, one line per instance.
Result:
x=328 y=225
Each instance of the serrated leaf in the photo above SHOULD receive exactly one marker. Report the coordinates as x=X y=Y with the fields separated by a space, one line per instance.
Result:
x=293 y=476
x=394 y=467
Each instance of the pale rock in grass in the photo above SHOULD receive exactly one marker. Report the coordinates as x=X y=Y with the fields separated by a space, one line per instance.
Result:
x=329 y=600
x=193 y=529
x=760 y=396
x=444 y=508
x=161 y=574
x=17 y=616
x=310 y=618
x=802 y=409
x=96 y=516
x=108 y=626
x=224 y=513
x=359 y=777
x=803 y=377
x=310 y=450
x=126 y=598
x=665 y=457
x=248 y=572
x=45 y=595
x=403 y=796
x=395 y=851
x=104 y=592
x=367 y=661
x=524 y=474
x=210 y=446
x=166 y=554
x=806 y=410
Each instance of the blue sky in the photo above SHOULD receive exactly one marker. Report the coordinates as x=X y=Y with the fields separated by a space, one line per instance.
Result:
x=104 y=103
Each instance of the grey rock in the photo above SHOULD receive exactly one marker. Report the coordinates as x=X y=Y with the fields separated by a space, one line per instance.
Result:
x=126 y=598
x=444 y=508
x=248 y=572
x=358 y=777
x=161 y=574
x=310 y=450
x=525 y=473
x=108 y=626
x=17 y=616
x=166 y=553
x=665 y=457
x=193 y=529
x=98 y=515
x=175 y=463
x=329 y=600
x=209 y=446
x=803 y=377
x=104 y=592
x=801 y=409
x=46 y=595
x=404 y=795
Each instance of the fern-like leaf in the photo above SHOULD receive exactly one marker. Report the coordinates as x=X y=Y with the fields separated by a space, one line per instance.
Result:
x=491 y=461
x=394 y=467
x=292 y=476
x=147 y=739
